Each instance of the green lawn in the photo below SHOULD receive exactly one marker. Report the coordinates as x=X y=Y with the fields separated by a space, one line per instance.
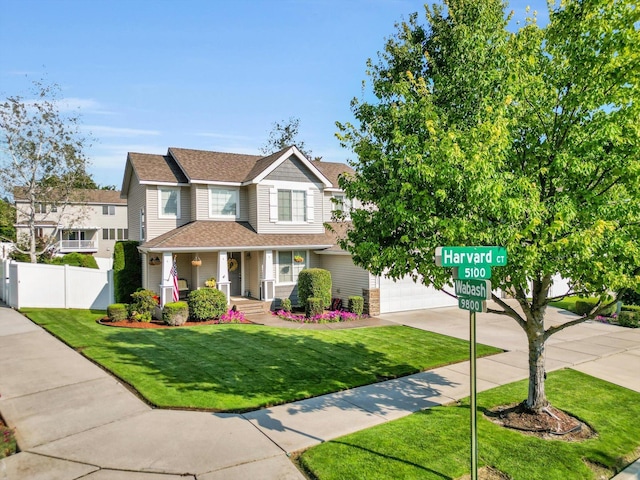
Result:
x=434 y=444
x=244 y=367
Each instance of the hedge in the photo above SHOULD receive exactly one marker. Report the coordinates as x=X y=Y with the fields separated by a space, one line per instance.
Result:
x=175 y=313
x=314 y=282
x=356 y=305
x=75 y=259
x=117 y=312
x=313 y=307
x=206 y=304
x=127 y=270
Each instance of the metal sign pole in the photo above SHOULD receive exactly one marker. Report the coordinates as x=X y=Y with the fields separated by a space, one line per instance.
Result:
x=473 y=409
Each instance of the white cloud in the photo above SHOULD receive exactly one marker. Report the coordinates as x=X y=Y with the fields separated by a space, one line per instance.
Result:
x=105 y=131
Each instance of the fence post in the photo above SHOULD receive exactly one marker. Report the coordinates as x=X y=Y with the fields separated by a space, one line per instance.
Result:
x=112 y=293
x=67 y=287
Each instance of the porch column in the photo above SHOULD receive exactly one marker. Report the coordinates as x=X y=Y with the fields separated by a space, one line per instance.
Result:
x=224 y=284
x=166 y=287
x=268 y=287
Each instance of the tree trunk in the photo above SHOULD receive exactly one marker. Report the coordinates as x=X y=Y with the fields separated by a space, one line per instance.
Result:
x=537 y=398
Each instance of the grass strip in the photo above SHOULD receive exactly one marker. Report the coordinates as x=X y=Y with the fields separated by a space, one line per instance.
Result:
x=245 y=367
x=434 y=443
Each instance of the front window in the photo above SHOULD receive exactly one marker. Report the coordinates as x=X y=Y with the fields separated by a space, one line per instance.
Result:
x=108 y=209
x=292 y=206
x=169 y=202
x=223 y=202
x=290 y=263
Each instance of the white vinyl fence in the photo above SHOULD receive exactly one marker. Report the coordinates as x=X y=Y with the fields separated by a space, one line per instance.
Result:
x=55 y=286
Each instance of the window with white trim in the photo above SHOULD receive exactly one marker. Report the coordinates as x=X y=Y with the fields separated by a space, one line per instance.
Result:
x=108 y=210
x=341 y=204
x=169 y=202
x=292 y=206
x=223 y=202
x=290 y=264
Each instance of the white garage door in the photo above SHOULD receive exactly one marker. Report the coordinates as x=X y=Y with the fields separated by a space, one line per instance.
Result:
x=405 y=294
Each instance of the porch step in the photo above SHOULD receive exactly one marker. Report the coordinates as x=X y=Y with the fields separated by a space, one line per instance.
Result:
x=250 y=306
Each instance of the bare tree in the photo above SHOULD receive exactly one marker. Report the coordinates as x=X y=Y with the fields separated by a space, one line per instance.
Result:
x=40 y=142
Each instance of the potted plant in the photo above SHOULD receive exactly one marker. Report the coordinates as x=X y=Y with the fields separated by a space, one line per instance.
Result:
x=196 y=262
x=298 y=259
x=211 y=282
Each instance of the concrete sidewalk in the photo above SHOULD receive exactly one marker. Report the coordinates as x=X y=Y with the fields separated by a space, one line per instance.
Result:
x=73 y=420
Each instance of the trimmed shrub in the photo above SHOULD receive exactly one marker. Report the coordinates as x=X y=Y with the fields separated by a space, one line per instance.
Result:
x=313 y=307
x=631 y=308
x=117 y=312
x=175 y=313
x=127 y=270
x=142 y=305
x=356 y=305
x=629 y=319
x=314 y=282
x=206 y=304
x=629 y=297
x=75 y=259
x=285 y=304
x=583 y=307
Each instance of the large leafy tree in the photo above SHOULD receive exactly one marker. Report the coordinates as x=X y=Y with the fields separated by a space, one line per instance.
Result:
x=530 y=140
x=41 y=157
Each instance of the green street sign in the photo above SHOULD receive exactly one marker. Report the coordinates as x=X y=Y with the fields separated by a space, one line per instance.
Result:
x=475 y=289
x=472 y=304
x=471 y=256
x=468 y=272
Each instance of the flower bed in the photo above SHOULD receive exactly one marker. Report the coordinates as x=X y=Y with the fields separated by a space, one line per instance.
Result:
x=232 y=316
x=332 y=316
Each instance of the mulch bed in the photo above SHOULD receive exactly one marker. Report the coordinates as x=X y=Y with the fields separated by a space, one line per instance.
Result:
x=552 y=423
x=158 y=324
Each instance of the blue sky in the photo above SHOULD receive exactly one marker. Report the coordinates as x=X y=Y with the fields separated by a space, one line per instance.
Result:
x=214 y=75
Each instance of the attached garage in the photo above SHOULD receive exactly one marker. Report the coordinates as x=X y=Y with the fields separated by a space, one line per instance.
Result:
x=405 y=294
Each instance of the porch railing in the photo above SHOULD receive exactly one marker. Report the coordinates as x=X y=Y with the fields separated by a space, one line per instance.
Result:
x=77 y=245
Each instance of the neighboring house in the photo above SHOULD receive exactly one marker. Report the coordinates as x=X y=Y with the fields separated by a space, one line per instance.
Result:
x=91 y=222
x=251 y=222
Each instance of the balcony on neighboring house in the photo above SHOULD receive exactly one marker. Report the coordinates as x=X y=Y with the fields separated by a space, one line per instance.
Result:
x=77 y=241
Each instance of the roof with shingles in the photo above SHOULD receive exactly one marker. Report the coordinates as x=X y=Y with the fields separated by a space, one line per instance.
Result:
x=332 y=170
x=79 y=195
x=156 y=168
x=182 y=165
x=205 y=234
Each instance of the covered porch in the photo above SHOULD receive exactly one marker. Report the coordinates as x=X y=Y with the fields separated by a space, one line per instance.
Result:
x=238 y=273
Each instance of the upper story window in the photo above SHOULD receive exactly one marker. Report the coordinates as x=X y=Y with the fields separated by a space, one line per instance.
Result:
x=223 y=202
x=169 y=202
x=108 y=209
x=292 y=206
x=40 y=207
x=341 y=204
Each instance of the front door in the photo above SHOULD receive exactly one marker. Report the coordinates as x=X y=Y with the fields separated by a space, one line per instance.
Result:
x=235 y=273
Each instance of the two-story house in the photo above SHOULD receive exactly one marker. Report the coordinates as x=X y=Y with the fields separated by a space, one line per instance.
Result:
x=90 y=222
x=251 y=222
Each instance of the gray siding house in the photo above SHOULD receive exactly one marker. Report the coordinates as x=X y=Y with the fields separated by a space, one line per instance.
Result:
x=251 y=222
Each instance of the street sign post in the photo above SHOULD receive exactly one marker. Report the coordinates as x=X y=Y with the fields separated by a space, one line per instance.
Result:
x=467 y=272
x=471 y=271
x=472 y=304
x=476 y=289
x=469 y=256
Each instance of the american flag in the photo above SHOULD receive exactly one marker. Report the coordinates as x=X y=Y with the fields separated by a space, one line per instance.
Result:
x=174 y=275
